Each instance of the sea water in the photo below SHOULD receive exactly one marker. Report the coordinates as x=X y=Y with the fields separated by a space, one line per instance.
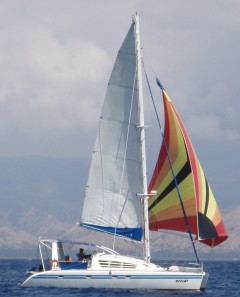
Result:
x=224 y=281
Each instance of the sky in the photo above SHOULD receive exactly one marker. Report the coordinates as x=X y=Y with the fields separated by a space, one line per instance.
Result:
x=56 y=57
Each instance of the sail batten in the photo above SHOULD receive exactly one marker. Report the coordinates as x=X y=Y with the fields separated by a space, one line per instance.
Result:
x=203 y=215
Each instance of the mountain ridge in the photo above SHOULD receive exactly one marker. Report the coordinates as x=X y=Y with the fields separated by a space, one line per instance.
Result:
x=40 y=197
x=34 y=224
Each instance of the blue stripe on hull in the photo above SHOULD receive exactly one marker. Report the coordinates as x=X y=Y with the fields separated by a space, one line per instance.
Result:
x=142 y=277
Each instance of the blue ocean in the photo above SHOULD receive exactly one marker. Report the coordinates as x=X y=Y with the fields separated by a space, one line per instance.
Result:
x=224 y=281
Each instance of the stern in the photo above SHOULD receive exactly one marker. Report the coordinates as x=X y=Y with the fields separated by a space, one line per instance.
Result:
x=204 y=281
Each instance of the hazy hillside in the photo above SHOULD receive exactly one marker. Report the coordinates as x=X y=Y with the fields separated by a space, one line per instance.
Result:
x=53 y=186
x=40 y=197
x=33 y=224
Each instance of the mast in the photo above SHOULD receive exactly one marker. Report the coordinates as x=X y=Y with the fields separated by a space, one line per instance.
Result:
x=142 y=137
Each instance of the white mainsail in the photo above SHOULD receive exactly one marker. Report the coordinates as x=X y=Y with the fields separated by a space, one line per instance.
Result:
x=111 y=203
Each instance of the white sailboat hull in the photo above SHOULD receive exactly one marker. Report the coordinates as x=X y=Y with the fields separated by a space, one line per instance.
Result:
x=104 y=270
x=119 y=280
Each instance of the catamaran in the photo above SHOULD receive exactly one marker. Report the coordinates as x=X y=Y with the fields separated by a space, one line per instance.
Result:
x=119 y=201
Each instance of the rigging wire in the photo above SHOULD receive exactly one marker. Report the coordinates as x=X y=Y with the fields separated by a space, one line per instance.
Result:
x=70 y=230
x=170 y=162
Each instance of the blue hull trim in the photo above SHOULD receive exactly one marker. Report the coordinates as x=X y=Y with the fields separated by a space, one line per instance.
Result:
x=140 y=277
x=132 y=233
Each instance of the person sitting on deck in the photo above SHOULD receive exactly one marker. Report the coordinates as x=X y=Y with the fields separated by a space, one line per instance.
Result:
x=81 y=255
x=68 y=259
